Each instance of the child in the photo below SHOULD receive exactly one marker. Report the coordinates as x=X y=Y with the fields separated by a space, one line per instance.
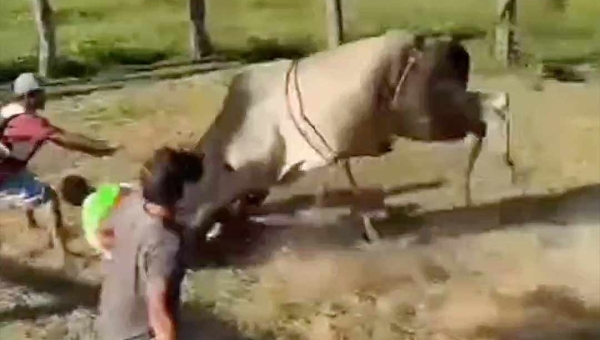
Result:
x=97 y=205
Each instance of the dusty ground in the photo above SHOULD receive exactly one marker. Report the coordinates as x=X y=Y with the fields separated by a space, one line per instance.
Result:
x=505 y=270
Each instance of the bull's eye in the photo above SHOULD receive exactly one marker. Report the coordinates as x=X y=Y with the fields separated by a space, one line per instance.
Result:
x=228 y=167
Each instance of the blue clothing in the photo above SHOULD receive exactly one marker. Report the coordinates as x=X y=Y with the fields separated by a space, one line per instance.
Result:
x=23 y=191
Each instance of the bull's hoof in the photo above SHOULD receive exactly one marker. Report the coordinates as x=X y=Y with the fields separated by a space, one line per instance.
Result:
x=370 y=238
x=386 y=147
x=366 y=238
x=370 y=234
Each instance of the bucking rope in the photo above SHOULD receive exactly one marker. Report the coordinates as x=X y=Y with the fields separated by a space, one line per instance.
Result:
x=294 y=69
x=411 y=61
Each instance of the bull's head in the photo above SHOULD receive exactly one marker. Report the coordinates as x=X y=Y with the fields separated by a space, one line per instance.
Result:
x=430 y=101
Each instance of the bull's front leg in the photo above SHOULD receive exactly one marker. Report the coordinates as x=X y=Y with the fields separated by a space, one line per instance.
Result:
x=473 y=156
x=323 y=188
x=371 y=234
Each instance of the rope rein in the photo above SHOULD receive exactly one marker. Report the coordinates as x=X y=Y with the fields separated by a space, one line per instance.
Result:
x=294 y=68
x=333 y=154
x=411 y=61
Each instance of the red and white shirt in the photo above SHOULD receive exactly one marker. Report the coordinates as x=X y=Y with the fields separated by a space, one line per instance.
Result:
x=25 y=134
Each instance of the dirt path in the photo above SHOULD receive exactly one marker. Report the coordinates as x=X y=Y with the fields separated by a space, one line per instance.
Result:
x=556 y=145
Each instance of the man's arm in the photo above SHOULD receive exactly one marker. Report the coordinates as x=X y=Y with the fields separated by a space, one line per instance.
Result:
x=161 y=320
x=81 y=143
x=161 y=263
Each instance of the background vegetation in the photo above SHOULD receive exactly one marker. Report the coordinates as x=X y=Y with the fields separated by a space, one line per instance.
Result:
x=96 y=34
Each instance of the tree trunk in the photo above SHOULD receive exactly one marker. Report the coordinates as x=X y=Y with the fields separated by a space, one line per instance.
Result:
x=335 y=23
x=505 y=43
x=200 y=44
x=47 y=37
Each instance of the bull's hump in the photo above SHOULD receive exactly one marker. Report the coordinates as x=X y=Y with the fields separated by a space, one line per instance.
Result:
x=353 y=54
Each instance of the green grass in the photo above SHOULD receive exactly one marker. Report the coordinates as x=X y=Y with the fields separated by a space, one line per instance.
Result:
x=101 y=33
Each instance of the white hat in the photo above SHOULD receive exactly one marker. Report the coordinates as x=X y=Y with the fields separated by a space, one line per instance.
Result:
x=26 y=83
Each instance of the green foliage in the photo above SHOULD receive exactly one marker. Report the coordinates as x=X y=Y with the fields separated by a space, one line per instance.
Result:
x=65 y=67
x=109 y=52
x=261 y=49
x=557 y=5
x=112 y=32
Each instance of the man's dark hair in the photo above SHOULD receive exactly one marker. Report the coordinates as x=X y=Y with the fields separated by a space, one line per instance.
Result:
x=164 y=175
x=74 y=189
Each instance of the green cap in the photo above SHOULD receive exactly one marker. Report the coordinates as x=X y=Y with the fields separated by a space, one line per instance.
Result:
x=96 y=207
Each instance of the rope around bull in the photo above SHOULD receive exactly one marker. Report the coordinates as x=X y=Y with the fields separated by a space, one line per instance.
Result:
x=294 y=69
x=370 y=231
x=473 y=154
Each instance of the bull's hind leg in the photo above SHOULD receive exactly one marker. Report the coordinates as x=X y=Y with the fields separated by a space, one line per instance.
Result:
x=371 y=234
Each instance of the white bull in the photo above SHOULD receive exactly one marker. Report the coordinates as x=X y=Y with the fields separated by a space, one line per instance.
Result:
x=288 y=117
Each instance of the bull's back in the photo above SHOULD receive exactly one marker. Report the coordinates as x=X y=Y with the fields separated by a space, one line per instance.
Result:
x=338 y=89
x=245 y=129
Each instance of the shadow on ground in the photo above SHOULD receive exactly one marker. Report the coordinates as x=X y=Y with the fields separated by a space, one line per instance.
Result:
x=243 y=242
x=70 y=292
x=341 y=197
x=572 y=206
x=537 y=331
x=246 y=243
x=572 y=319
x=198 y=324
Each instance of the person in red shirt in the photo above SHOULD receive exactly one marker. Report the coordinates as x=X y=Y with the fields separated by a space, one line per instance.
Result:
x=22 y=133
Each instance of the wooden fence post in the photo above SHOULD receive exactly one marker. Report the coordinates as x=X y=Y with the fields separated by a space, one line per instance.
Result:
x=47 y=36
x=504 y=48
x=335 y=23
x=200 y=44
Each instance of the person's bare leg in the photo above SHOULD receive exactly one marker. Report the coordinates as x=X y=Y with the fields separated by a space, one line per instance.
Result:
x=31 y=221
x=52 y=217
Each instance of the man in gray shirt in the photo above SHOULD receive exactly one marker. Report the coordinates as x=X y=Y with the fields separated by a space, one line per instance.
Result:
x=140 y=291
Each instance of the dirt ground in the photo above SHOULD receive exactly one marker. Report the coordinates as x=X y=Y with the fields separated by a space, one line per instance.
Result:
x=555 y=145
